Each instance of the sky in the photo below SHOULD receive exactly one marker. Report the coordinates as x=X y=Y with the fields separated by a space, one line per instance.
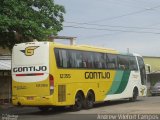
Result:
x=116 y=24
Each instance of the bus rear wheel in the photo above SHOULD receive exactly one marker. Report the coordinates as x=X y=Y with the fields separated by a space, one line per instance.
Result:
x=78 y=102
x=89 y=101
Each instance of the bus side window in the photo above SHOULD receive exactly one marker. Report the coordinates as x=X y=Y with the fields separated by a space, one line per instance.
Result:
x=64 y=58
x=72 y=58
x=103 y=60
x=98 y=60
x=78 y=59
x=84 y=60
x=133 y=63
x=90 y=59
x=111 y=61
x=123 y=62
x=61 y=58
x=57 y=56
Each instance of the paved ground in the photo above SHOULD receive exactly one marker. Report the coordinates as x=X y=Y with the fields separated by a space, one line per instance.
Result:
x=146 y=105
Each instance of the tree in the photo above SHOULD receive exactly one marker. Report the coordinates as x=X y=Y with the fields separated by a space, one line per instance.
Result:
x=25 y=20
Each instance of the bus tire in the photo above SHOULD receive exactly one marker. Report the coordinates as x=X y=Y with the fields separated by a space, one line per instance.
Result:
x=89 y=101
x=135 y=95
x=78 y=102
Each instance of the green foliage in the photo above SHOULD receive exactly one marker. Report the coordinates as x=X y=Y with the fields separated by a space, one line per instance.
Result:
x=25 y=20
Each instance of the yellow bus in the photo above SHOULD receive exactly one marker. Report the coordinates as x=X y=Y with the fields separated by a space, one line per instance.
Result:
x=47 y=74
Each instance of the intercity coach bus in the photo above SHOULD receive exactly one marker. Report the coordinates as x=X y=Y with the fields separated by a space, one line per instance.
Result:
x=47 y=74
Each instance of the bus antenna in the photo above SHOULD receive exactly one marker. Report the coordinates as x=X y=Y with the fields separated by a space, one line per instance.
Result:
x=72 y=39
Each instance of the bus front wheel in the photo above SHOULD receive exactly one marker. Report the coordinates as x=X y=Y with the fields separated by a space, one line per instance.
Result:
x=135 y=95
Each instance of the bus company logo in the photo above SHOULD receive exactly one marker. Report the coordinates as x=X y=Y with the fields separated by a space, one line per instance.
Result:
x=29 y=51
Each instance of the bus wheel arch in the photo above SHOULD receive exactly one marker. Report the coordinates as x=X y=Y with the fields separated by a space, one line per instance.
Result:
x=89 y=100
x=79 y=99
x=135 y=94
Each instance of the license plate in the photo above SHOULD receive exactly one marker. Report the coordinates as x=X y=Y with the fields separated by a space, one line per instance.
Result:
x=30 y=98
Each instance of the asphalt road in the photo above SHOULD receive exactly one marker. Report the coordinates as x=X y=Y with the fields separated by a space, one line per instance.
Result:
x=144 y=105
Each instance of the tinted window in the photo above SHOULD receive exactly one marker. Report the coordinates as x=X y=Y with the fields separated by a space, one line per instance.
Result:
x=93 y=60
x=90 y=59
x=99 y=60
x=111 y=61
x=63 y=57
x=75 y=59
x=132 y=63
x=123 y=62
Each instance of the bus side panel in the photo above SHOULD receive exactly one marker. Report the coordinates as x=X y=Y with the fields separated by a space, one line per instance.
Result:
x=70 y=81
x=134 y=80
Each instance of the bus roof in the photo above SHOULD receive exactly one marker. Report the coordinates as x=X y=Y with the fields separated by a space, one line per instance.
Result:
x=80 y=47
x=85 y=47
x=93 y=48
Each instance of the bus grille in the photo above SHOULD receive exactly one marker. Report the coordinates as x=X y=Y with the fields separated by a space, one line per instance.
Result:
x=61 y=93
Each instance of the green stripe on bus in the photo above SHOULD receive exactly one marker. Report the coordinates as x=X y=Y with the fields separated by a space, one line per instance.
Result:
x=124 y=82
x=116 y=82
